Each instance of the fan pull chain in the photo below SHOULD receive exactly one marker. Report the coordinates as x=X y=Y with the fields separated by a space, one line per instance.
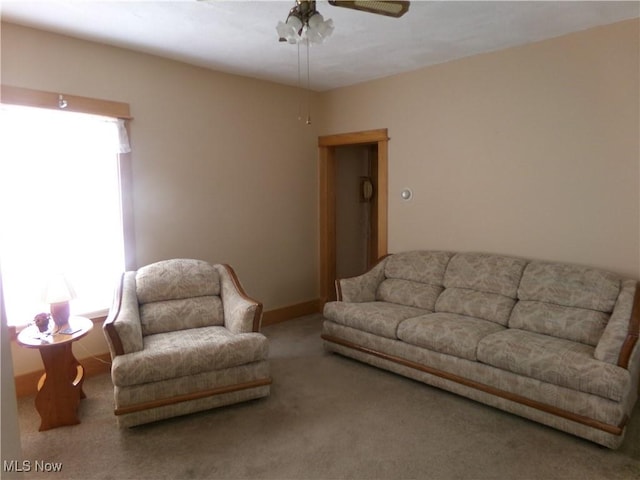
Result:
x=308 y=87
x=299 y=86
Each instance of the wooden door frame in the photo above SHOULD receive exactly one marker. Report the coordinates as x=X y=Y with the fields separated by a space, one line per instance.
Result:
x=327 y=176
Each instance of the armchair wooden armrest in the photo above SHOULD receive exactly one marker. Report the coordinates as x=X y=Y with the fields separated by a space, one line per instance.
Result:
x=242 y=314
x=122 y=326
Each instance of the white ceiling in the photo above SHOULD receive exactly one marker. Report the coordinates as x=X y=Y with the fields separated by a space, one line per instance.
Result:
x=239 y=36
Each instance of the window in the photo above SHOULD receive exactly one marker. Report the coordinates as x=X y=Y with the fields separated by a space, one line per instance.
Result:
x=60 y=208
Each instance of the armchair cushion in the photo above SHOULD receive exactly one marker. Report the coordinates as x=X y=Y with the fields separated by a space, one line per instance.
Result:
x=170 y=315
x=187 y=352
x=175 y=279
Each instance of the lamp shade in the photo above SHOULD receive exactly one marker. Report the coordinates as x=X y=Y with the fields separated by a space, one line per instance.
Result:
x=58 y=290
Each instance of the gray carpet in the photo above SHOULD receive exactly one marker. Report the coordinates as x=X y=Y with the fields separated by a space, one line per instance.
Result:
x=328 y=417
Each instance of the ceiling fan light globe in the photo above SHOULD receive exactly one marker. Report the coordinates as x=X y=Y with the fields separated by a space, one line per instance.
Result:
x=287 y=33
x=327 y=28
x=318 y=30
x=312 y=36
x=282 y=29
x=315 y=20
x=294 y=23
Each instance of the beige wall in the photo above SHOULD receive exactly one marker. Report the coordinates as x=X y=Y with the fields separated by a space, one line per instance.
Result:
x=530 y=151
x=222 y=169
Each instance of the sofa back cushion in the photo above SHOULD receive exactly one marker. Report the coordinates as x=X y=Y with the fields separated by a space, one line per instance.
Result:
x=472 y=303
x=485 y=272
x=175 y=279
x=481 y=285
x=424 y=266
x=570 y=285
x=413 y=278
x=571 y=323
x=408 y=292
x=565 y=301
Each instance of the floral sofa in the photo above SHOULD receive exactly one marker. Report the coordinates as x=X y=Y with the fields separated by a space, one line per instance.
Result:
x=183 y=337
x=552 y=342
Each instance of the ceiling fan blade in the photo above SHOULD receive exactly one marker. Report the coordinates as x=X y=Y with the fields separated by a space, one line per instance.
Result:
x=388 y=8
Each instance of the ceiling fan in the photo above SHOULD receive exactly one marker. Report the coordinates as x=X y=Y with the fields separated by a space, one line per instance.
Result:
x=304 y=22
x=305 y=25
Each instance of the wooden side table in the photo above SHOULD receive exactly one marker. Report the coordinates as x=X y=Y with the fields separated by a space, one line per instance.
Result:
x=60 y=388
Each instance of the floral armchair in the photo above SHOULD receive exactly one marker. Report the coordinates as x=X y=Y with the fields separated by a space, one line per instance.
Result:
x=183 y=337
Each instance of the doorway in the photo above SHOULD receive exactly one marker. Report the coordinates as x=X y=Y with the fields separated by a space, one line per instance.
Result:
x=335 y=151
x=354 y=204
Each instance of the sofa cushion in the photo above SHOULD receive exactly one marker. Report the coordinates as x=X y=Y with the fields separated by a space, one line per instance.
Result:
x=408 y=292
x=158 y=317
x=485 y=272
x=488 y=306
x=575 y=324
x=379 y=318
x=187 y=352
x=423 y=266
x=175 y=279
x=570 y=285
x=554 y=360
x=448 y=333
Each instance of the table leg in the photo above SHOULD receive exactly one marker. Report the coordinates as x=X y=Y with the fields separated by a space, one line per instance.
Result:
x=74 y=368
x=60 y=388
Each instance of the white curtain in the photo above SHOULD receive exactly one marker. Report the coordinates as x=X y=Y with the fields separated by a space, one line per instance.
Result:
x=123 y=137
x=60 y=207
